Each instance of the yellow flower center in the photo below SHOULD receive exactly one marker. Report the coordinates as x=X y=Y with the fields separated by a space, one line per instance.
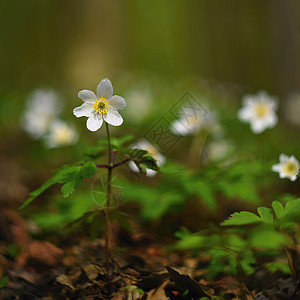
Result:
x=101 y=106
x=193 y=120
x=151 y=151
x=290 y=168
x=261 y=110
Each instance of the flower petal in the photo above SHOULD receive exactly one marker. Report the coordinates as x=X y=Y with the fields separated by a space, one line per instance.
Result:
x=113 y=117
x=271 y=120
x=245 y=113
x=87 y=96
x=283 y=158
x=179 y=127
x=150 y=173
x=104 y=89
x=94 y=123
x=85 y=110
x=276 y=168
x=258 y=126
x=117 y=102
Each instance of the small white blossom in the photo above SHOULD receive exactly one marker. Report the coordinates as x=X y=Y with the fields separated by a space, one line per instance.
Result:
x=42 y=107
x=192 y=120
x=259 y=111
x=218 y=150
x=60 y=134
x=141 y=103
x=288 y=167
x=152 y=151
x=103 y=106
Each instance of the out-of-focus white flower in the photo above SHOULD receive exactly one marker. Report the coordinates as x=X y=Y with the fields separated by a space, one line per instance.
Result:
x=288 y=167
x=217 y=150
x=42 y=107
x=193 y=119
x=291 y=109
x=103 y=106
x=140 y=107
x=61 y=134
x=152 y=151
x=259 y=111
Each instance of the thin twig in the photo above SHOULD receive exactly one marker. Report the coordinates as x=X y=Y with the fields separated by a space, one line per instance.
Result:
x=122 y=162
x=102 y=166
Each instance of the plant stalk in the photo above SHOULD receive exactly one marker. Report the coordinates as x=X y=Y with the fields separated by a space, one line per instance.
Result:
x=108 y=231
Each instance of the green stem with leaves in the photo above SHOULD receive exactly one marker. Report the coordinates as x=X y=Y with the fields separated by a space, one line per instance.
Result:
x=108 y=231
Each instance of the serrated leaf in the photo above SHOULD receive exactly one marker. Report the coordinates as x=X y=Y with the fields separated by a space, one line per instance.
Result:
x=68 y=188
x=242 y=218
x=70 y=175
x=89 y=169
x=266 y=214
x=278 y=209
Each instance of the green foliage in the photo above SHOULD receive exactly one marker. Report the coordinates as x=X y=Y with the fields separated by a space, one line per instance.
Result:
x=66 y=210
x=281 y=266
x=228 y=252
x=4 y=281
x=284 y=215
x=242 y=218
x=12 y=251
x=71 y=176
x=156 y=202
x=266 y=237
x=142 y=159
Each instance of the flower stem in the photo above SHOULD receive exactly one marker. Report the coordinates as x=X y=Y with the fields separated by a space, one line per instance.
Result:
x=108 y=231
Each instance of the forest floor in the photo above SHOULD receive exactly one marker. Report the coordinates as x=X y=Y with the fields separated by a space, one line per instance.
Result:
x=73 y=267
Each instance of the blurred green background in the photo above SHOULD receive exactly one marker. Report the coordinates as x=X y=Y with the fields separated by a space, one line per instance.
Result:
x=72 y=44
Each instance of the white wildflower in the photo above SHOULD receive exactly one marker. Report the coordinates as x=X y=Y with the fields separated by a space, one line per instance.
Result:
x=152 y=151
x=103 y=106
x=288 y=167
x=42 y=107
x=61 y=134
x=218 y=150
x=141 y=103
x=193 y=119
x=259 y=111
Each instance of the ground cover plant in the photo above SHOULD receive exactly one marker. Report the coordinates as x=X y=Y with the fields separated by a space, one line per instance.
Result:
x=138 y=161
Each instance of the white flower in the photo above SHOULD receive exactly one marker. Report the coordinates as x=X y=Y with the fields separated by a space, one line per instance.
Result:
x=103 y=106
x=288 y=167
x=141 y=102
x=192 y=120
x=41 y=109
x=152 y=151
x=61 y=134
x=259 y=111
x=218 y=150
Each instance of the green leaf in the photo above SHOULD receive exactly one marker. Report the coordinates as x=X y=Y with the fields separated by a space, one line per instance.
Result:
x=278 y=209
x=4 y=281
x=142 y=159
x=117 y=143
x=68 y=188
x=89 y=169
x=274 y=266
x=206 y=193
x=267 y=238
x=241 y=218
x=70 y=175
x=266 y=214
